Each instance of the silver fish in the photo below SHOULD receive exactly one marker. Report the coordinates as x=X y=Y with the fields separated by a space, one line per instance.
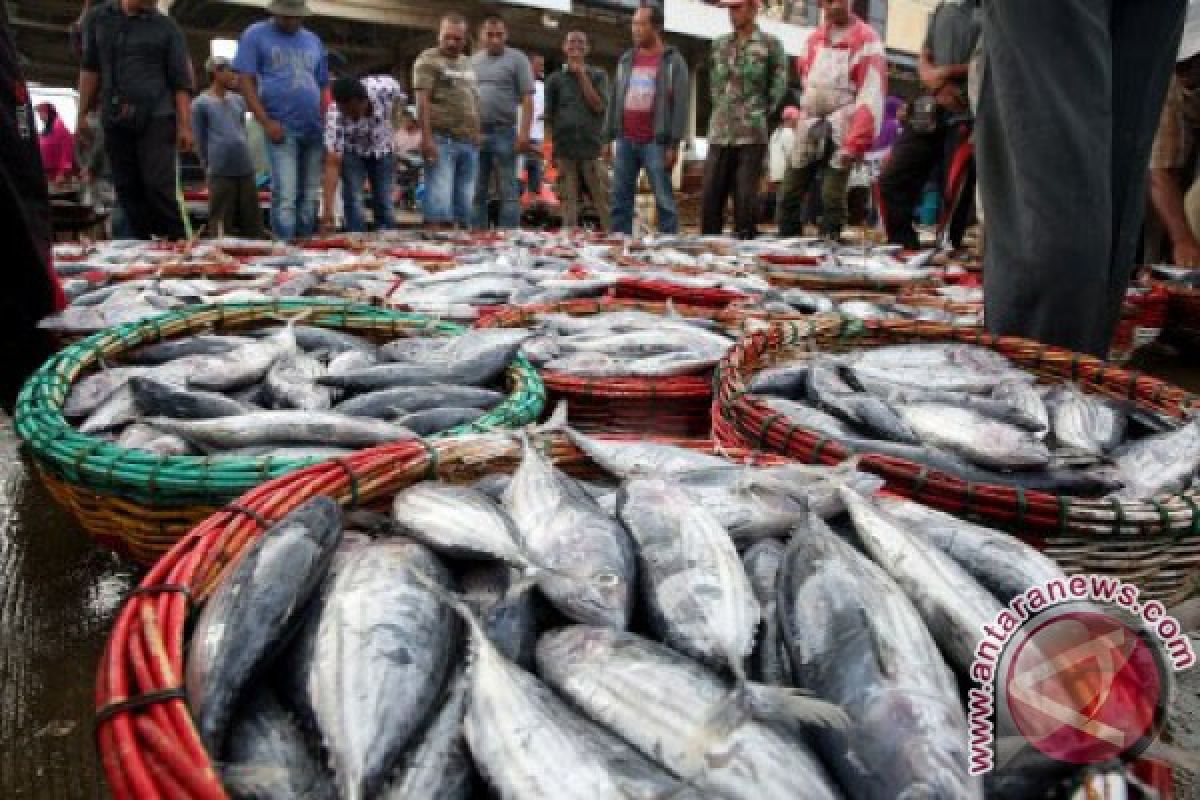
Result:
x=152 y=440
x=770 y=663
x=380 y=659
x=626 y=459
x=564 y=529
x=291 y=383
x=855 y=639
x=497 y=595
x=459 y=522
x=90 y=391
x=952 y=603
x=284 y=428
x=255 y=606
x=1159 y=464
x=268 y=758
x=438 y=420
x=242 y=366
x=1086 y=423
x=388 y=403
x=439 y=768
x=656 y=699
x=979 y=439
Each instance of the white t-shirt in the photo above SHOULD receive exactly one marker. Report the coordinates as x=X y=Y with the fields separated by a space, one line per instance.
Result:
x=537 y=130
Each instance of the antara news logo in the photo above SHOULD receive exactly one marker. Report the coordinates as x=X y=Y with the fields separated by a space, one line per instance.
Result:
x=1079 y=668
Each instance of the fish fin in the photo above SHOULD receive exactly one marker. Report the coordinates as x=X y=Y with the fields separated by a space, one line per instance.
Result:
x=792 y=708
x=557 y=421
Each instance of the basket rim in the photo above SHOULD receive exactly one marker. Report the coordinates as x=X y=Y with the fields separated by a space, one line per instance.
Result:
x=154 y=615
x=75 y=456
x=734 y=406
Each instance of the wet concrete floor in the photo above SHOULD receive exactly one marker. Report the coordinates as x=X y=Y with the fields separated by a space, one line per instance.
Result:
x=59 y=594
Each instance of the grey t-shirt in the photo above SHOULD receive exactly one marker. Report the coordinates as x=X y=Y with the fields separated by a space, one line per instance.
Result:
x=219 y=125
x=954 y=29
x=503 y=81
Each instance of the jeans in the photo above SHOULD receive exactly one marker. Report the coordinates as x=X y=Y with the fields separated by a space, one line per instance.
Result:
x=450 y=182
x=630 y=158
x=380 y=172
x=143 y=172
x=499 y=155
x=296 y=184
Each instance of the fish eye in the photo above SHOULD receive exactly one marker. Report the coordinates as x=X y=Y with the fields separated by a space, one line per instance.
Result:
x=607 y=579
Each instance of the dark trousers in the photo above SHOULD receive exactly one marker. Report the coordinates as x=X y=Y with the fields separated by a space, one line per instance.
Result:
x=738 y=171
x=914 y=158
x=1065 y=127
x=793 y=200
x=233 y=208
x=143 y=173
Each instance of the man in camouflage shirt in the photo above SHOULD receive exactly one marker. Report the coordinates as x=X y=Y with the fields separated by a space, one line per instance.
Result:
x=749 y=80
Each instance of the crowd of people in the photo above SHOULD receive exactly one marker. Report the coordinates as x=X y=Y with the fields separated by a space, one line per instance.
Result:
x=1063 y=129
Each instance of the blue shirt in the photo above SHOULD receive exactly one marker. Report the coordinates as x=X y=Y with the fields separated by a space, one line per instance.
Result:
x=219 y=125
x=291 y=72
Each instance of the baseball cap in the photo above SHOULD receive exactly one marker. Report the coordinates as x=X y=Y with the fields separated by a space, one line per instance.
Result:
x=1190 y=45
x=215 y=63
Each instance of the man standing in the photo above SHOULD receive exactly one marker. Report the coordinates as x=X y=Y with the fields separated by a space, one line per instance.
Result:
x=845 y=79
x=1173 y=188
x=135 y=62
x=1064 y=171
x=779 y=150
x=944 y=121
x=219 y=124
x=647 y=118
x=283 y=72
x=576 y=99
x=749 y=80
x=532 y=161
x=448 y=110
x=505 y=84
x=360 y=148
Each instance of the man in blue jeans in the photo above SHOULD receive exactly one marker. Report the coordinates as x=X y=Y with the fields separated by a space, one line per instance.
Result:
x=448 y=110
x=284 y=72
x=505 y=84
x=647 y=118
x=360 y=148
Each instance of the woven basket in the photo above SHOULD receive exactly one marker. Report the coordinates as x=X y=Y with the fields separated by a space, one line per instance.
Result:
x=146 y=737
x=1183 y=314
x=140 y=503
x=659 y=291
x=678 y=407
x=1155 y=544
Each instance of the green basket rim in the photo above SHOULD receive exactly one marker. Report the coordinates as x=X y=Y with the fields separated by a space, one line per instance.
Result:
x=136 y=475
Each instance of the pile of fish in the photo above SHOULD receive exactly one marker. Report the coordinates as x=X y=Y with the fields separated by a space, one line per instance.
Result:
x=292 y=392
x=805 y=301
x=627 y=344
x=688 y=628
x=970 y=412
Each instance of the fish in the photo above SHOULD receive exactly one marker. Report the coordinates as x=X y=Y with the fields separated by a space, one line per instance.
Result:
x=624 y=459
x=388 y=403
x=826 y=391
x=1003 y=564
x=698 y=596
x=253 y=610
x=117 y=411
x=954 y=605
x=495 y=592
x=268 y=757
x=1160 y=464
x=291 y=383
x=284 y=428
x=787 y=381
x=157 y=399
x=204 y=344
x=478 y=372
x=89 y=392
x=491 y=350
x=1026 y=399
x=530 y=744
x=438 y=420
x=242 y=366
x=770 y=661
x=311 y=452
x=380 y=658
x=854 y=638
x=1085 y=423
x=350 y=361
x=979 y=439
x=749 y=503
x=439 y=767
x=459 y=522
x=656 y=699
x=563 y=529
x=152 y=440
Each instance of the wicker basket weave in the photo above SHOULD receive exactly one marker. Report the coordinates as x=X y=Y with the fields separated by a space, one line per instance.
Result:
x=141 y=503
x=1154 y=543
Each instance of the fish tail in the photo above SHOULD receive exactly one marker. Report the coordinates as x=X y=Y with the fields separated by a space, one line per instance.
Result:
x=455 y=602
x=557 y=421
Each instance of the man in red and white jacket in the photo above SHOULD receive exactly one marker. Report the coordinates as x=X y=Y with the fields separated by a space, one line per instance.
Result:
x=844 y=69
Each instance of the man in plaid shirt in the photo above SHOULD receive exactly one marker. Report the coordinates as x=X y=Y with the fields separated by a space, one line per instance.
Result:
x=360 y=149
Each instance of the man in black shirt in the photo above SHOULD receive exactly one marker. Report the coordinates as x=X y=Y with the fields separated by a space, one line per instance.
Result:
x=576 y=101
x=944 y=120
x=135 y=63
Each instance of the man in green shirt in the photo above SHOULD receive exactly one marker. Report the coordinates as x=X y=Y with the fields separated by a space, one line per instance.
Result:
x=576 y=101
x=749 y=79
